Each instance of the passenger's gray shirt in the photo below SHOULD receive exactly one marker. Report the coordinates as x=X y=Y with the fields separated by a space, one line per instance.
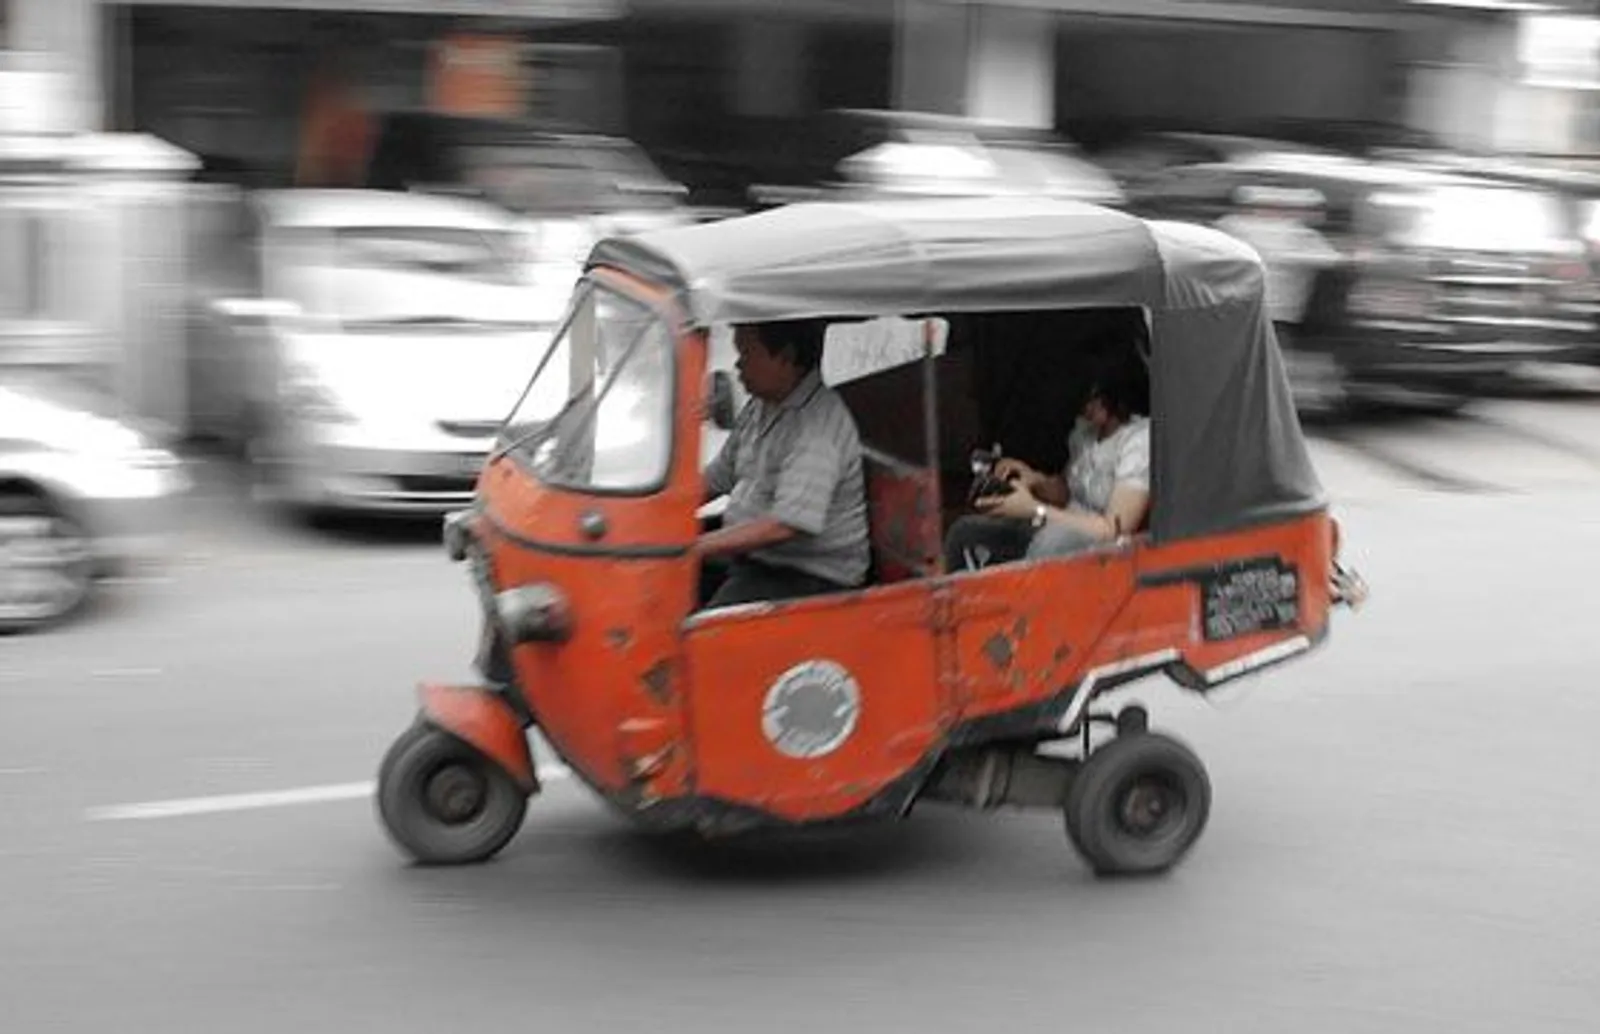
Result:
x=799 y=462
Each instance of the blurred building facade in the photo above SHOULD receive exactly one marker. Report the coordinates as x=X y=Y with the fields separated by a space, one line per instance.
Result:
x=272 y=92
x=706 y=83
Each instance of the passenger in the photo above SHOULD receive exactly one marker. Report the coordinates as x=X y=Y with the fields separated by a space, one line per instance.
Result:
x=1104 y=492
x=796 y=519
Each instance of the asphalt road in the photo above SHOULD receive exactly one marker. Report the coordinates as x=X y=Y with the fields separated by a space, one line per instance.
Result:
x=1404 y=836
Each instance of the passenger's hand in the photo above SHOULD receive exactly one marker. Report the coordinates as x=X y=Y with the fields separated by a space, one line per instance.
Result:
x=1008 y=469
x=1018 y=505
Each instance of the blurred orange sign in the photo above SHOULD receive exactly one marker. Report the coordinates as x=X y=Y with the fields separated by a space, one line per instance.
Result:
x=478 y=75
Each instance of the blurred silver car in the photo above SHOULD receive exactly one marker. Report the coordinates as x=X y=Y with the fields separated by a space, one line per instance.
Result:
x=865 y=154
x=389 y=338
x=82 y=495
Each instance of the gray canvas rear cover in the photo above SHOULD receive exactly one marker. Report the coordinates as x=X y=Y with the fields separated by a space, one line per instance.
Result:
x=1229 y=450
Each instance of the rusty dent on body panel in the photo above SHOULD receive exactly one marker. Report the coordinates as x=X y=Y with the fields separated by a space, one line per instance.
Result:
x=999 y=651
x=657 y=681
x=1001 y=648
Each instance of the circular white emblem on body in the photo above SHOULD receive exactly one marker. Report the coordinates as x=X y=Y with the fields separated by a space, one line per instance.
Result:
x=811 y=710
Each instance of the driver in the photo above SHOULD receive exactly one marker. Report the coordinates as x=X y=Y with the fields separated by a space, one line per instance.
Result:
x=1103 y=494
x=796 y=520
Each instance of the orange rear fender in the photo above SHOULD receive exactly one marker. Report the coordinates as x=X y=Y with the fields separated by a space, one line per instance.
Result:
x=482 y=719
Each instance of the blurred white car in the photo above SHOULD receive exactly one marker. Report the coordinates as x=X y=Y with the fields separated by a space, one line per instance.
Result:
x=391 y=335
x=82 y=495
x=860 y=153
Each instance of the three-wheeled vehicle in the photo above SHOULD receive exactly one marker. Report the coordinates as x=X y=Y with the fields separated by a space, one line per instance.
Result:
x=980 y=688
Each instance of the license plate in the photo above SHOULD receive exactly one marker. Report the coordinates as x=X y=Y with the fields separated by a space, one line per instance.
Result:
x=470 y=465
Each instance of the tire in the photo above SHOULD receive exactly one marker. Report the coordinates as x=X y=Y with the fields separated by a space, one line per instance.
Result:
x=36 y=536
x=1109 y=807
x=443 y=802
x=1442 y=404
x=1319 y=383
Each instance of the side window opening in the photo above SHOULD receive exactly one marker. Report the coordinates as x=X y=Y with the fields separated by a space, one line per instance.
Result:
x=1014 y=379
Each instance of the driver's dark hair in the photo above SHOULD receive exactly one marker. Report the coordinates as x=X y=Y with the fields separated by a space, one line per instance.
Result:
x=801 y=339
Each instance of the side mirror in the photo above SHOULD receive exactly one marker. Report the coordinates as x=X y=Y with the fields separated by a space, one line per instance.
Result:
x=723 y=411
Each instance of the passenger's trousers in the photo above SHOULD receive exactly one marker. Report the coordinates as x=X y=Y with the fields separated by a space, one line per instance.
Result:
x=979 y=541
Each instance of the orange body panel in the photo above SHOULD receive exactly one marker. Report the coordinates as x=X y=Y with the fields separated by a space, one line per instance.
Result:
x=884 y=638
x=486 y=722
x=1024 y=632
x=611 y=699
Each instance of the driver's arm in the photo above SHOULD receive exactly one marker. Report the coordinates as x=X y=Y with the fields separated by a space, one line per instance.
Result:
x=744 y=537
x=719 y=476
x=809 y=475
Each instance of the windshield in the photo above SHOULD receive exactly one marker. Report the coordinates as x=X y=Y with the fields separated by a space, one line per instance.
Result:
x=386 y=276
x=598 y=412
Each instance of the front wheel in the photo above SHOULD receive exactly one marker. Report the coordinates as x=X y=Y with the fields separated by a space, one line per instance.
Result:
x=1138 y=805
x=443 y=802
x=46 y=564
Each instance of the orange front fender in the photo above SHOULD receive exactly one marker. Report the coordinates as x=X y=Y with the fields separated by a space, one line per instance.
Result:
x=486 y=722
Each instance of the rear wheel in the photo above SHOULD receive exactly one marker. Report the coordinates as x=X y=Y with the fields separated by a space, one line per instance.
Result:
x=1319 y=382
x=46 y=564
x=443 y=802
x=1138 y=805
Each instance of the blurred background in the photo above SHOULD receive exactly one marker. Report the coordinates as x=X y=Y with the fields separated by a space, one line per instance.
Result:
x=263 y=260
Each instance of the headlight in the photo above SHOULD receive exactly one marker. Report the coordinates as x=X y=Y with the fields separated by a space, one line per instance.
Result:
x=536 y=613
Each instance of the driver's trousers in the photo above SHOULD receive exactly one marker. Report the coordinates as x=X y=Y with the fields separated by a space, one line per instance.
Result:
x=728 y=583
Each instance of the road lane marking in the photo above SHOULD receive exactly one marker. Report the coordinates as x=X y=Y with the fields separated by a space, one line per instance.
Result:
x=188 y=806
x=125 y=673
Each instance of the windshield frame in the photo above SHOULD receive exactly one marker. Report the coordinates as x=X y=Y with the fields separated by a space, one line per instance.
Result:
x=659 y=306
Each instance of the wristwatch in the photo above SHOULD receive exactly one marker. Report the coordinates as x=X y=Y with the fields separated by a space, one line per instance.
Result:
x=1040 y=515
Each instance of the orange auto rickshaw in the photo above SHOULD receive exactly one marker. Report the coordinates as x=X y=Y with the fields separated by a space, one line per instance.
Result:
x=981 y=688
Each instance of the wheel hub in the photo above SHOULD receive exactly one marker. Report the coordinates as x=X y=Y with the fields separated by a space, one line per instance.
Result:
x=456 y=794
x=1152 y=807
x=41 y=567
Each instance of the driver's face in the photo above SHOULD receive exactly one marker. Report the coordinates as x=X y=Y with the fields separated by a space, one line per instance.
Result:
x=763 y=374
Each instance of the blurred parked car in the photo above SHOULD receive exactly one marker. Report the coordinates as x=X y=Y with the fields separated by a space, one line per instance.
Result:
x=1444 y=283
x=83 y=495
x=385 y=339
x=1138 y=165
x=565 y=189
x=523 y=167
x=869 y=153
x=1578 y=190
